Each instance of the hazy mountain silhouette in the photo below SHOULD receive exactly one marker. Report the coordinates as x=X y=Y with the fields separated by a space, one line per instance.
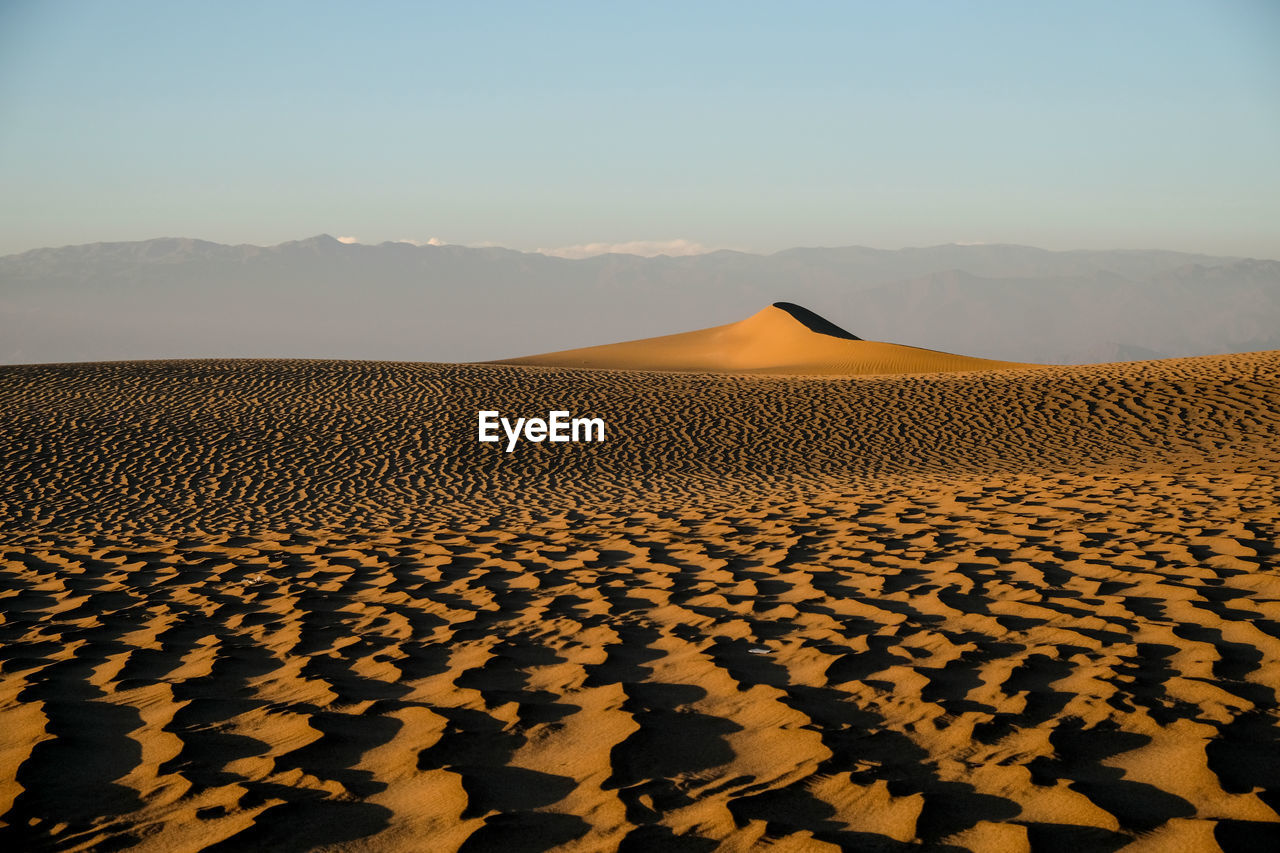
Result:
x=171 y=298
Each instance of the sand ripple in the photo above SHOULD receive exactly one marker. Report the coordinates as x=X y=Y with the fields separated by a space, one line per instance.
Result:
x=281 y=605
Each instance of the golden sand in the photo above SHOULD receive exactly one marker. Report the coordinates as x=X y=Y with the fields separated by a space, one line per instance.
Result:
x=290 y=604
x=771 y=341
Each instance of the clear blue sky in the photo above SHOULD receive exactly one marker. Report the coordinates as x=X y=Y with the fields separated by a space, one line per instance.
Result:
x=756 y=126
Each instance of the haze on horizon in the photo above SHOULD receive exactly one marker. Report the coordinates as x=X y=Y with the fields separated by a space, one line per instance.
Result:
x=1091 y=125
x=323 y=298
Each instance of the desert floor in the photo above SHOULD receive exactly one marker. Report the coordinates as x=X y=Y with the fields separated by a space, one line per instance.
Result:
x=294 y=604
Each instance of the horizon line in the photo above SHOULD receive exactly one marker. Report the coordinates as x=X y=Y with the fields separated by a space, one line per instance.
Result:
x=611 y=249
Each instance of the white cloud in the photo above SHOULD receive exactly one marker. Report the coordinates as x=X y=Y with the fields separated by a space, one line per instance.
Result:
x=645 y=248
x=434 y=241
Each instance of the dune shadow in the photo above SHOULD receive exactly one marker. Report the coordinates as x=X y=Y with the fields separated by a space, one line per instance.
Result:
x=746 y=666
x=525 y=832
x=472 y=738
x=344 y=739
x=815 y=322
x=510 y=789
x=1072 y=838
x=1245 y=755
x=672 y=742
x=307 y=823
x=70 y=778
x=791 y=810
x=650 y=837
x=1078 y=756
x=1246 y=836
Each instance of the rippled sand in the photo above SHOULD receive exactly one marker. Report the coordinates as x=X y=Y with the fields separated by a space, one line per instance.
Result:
x=288 y=604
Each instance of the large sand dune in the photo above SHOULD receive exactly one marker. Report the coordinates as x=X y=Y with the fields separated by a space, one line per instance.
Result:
x=783 y=338
x=282 y=605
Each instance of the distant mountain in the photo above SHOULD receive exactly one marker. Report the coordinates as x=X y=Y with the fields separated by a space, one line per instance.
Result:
x=1192 y=309
x=321 y=298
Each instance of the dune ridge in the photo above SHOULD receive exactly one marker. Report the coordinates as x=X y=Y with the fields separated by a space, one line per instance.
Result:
x=781 y=339
x=296 y=605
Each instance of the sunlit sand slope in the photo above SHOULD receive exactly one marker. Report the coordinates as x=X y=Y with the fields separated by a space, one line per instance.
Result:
x=284 y=605
x=783 y=339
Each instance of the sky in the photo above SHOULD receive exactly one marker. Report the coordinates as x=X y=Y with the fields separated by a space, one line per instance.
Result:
x=575 y=127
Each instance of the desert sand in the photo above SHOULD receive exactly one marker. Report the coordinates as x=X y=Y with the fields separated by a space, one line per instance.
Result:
x=782 y=339
x=295 y=605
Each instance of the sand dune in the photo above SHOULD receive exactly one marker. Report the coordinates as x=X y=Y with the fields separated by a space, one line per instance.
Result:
x=284 y=605
x=783 y=339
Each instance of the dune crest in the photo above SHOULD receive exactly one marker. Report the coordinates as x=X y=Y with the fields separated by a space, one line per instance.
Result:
x=782 y=339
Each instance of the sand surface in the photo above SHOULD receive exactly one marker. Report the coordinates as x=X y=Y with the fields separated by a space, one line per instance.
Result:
x=295 y=604
x=781 y=339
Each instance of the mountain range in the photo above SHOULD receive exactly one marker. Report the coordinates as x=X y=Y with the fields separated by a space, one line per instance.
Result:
x=323 y=298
